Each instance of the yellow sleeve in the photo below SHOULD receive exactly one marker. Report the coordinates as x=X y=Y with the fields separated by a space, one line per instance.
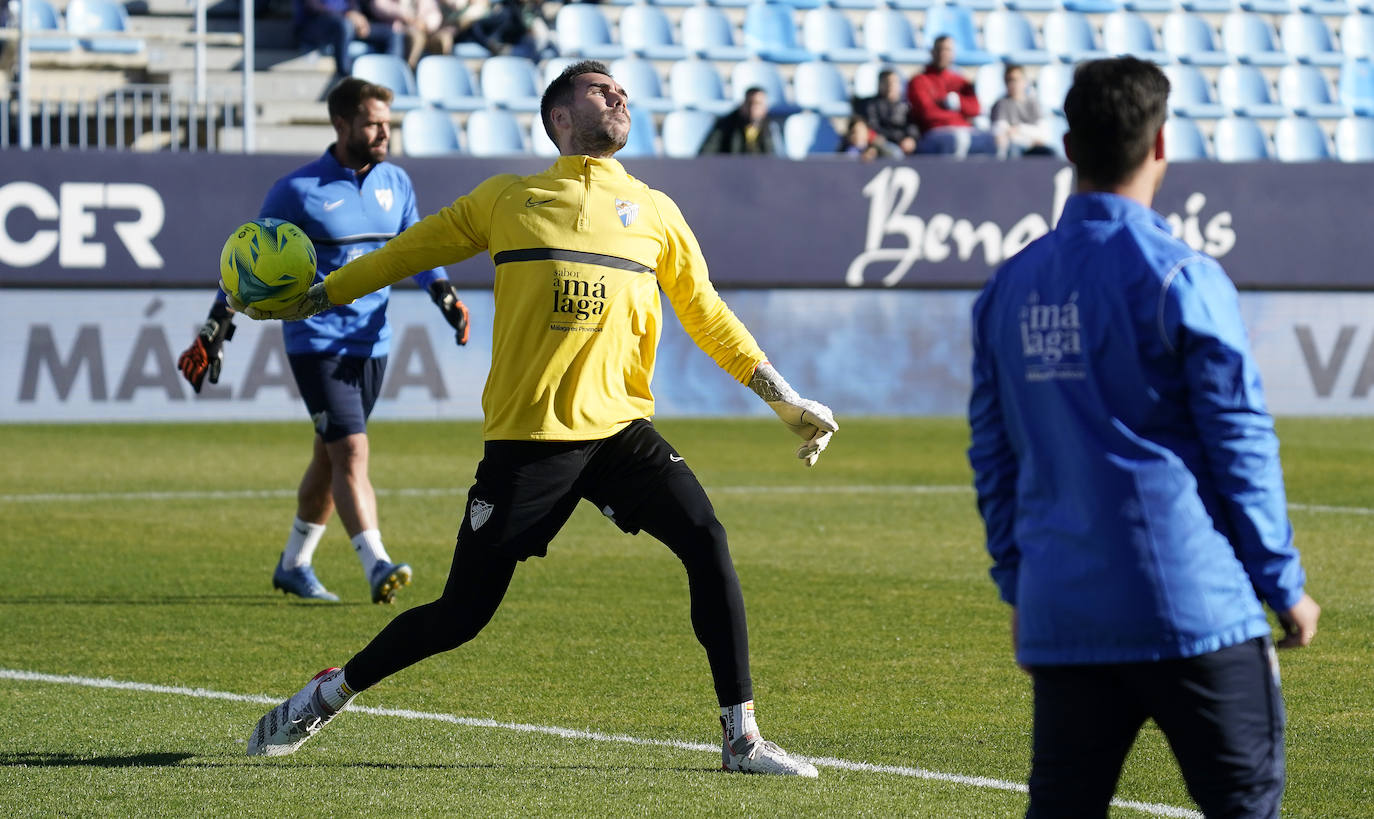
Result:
x=453 y=234
x=704 y=315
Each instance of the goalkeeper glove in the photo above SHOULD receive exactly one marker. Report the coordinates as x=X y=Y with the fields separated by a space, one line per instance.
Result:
x=811 y=420
x=315 y=300
x=205 y=356
x=455 y=312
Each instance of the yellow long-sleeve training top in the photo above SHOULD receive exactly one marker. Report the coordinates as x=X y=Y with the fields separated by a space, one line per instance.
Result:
x=580 y=251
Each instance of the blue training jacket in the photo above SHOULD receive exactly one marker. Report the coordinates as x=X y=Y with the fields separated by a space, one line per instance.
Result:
x=1126 y=467
x=345 y=219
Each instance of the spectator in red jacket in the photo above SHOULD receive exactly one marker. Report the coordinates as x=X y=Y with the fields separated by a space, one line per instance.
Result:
x=943 y=106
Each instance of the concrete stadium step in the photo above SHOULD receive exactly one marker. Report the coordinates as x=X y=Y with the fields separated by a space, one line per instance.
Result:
x=308 y=140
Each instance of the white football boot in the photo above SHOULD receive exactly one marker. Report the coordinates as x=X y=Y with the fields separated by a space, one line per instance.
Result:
x=285 y=728
x=754 y=754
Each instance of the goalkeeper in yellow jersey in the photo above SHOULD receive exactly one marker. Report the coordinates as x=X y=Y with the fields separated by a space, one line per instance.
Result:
x=581 y=251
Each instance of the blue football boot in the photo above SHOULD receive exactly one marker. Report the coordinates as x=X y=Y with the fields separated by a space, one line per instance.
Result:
x=301 y=581
x=386 y=578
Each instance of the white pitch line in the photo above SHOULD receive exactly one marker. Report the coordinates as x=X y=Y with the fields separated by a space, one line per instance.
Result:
x=571 y=733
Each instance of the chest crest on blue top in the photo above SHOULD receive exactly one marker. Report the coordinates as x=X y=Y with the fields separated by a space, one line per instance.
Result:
x=1051 y=338
x=627 y=211
x=385 y=198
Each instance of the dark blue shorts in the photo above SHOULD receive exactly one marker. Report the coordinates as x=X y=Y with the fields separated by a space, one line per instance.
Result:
x=339 y=391
x=1221 y=713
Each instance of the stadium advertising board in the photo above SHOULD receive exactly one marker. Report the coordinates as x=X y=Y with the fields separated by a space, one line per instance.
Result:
x=104 y=355
x=121 y=220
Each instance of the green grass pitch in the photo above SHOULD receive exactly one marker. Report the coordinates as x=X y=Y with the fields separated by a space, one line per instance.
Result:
x=143 y=554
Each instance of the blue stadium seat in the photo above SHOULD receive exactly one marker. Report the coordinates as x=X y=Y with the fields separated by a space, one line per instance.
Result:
x=818 y=86
x=1249 y=39
x=829 y=34
x=554 y=66
x=809 y=133
x=1355 y=139
x=1092 y=6
x=707 y=33
x=909 y=5
x=1125 y=32
x=989 y=85
x=1009 y=36
x=1325 y=8
x=1188 y=38
x=957 y=22
x=640 y=80
x=645 y=31
x=1208 y=6
x=1306 y=37
x=429 y=132
x=1037 y=6
x=43 y=18
x=581 y=30
x=540 y=144
x=95 y=16
x=1190 y=94
x=865 y=79
x=1299 y=139
x=862 y=5
x=1052 y=85
x=1149 y=6
x=1071 y=36
x=509 y=82
x=1357 y=87
x=1357 y=35
x=445 y=81
x=888 y=35
x=1238 y=139
x=392 y=72
x=695 y=84
x=1303 y=89
x=757 y=73
x=684 y=131
x=642 y=138
x=1266 y=6
x=1183 y=141
x=1243 y=90
x=770 y=33
x=494 y=132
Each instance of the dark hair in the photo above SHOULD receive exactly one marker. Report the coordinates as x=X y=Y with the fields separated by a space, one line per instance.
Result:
x=936 y=42
x=1010 y=67
x=1115 y=107
x=559 y=91
x=346 y=98
x=885 y=73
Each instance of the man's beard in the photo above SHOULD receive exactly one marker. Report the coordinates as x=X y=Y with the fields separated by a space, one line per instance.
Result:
x=594 y=137
x=363 y=153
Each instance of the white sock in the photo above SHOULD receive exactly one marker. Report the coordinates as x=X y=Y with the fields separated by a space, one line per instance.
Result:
x=301 y=543
x=738 y=721
x=368 y=544
x=335 y=691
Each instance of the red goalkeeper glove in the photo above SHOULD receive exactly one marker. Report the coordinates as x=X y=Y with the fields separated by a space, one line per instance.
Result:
x=455 y=312
x=205 y=356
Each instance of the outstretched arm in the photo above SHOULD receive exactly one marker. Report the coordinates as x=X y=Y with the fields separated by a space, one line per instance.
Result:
x=812 y=420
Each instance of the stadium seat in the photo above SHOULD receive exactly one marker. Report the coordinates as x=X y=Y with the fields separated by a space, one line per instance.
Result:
x=1266 y=6
x=1208 y=6
x=957 y=22
x=540 y=144
x=818 y=86
x=695 y=84
x=1299 y=139
x=1092 y=6
x=1306 y=37
x=684 y=131
x=865 y=79
x=1125 y=32
x=809 y=133
x=1303 y=89
x=1190 y=94
x=757 y=73
x=646 y=32
x=1058 y=127
x=1183 y=140
x=95 y=16
x=509 y=82
x=1357 y=35
x=429 y=132
x=829 y=34
x=1008 y=35
x=861 y=5
x=1070 y=35
x=1325 y=8
x=1249 y=39
x=989 y=85
x=1036 y=6
x=392 y=72
x=1149 y=6
x=1188 y=39
x=640 y=80
x=707 y=33
x=1052 y=85
x=445 y=81
x=1238 y=139
x=554 y=66
x=1355 y=139
x=43 y=18
x=888 y=35
x=494 y=132
x=643 y=140
x=581 y=30
x=770 y=33
x=1357 y=87
x=1243 y=90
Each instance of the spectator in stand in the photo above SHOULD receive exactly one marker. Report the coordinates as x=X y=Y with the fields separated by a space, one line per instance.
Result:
x=943 y=106
x=459 y=17
x=337 y=23
x=889 y=116
x=859 y=141
x=416 y=20
x=745 y=130
x=1018 y=122
x=515 y=27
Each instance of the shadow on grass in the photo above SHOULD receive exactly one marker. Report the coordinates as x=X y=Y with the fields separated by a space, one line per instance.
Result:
x=23 y=759
x=37 y=759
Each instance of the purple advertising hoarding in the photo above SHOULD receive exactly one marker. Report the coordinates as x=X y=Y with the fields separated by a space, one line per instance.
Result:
x=106 y=220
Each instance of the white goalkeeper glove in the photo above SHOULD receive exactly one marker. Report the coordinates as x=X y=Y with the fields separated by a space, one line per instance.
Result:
x=315 y=300
x=812 y=420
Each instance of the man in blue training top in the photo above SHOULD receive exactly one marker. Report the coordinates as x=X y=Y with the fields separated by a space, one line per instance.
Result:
x=349 y=201
x=1128 y=475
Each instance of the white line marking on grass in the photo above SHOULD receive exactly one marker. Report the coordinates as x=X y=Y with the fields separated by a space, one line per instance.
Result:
x=570 y=733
